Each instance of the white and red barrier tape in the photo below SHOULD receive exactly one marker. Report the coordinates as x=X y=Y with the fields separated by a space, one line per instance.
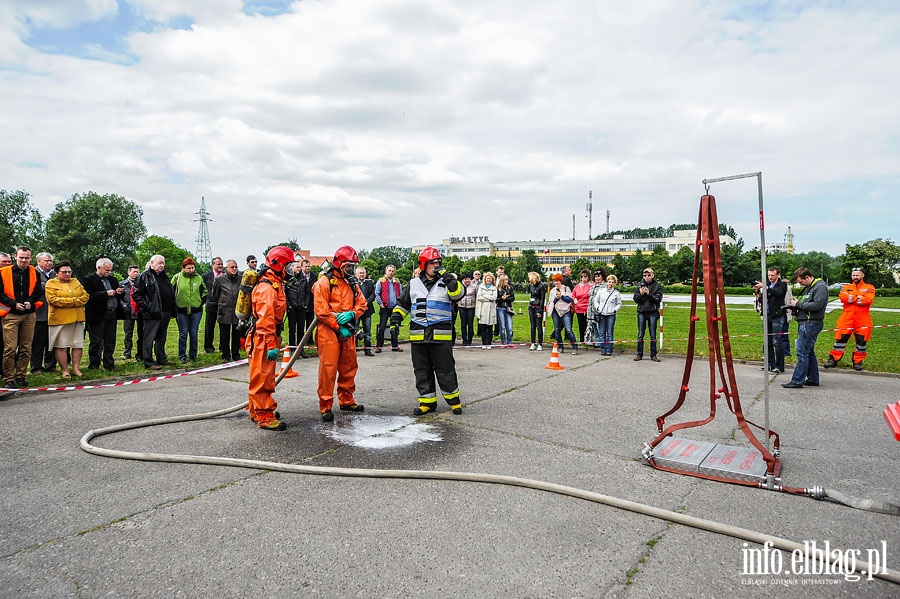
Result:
x=148 y=379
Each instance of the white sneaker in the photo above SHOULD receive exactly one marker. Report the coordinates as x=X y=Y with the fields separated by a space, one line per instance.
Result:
x=484 y=347
x=533 y=347
x=488 y=347
x=540 y=348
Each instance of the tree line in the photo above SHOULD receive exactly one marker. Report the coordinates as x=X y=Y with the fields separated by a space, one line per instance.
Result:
x=89 y=225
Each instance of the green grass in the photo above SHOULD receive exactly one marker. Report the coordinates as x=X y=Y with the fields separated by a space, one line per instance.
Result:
x=744 y=326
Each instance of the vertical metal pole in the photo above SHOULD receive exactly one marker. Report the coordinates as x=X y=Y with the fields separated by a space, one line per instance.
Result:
x=764 y=279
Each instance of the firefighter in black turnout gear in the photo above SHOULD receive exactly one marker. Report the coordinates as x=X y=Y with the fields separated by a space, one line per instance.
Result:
x=428 y=299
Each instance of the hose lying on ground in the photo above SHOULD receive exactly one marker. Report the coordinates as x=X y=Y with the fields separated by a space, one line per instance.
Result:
x=845 y=563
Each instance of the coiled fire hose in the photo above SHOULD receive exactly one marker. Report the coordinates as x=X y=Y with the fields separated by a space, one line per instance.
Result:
x=662 y=514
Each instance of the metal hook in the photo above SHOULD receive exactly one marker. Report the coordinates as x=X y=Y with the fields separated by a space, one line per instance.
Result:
x=706 y=185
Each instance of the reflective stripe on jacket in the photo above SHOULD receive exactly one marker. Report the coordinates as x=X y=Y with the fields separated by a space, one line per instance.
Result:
x=431 y=313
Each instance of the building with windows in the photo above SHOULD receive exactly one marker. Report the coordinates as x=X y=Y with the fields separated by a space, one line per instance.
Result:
x=554 y=255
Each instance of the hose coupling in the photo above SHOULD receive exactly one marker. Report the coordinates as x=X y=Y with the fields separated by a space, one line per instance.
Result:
x=816 y=492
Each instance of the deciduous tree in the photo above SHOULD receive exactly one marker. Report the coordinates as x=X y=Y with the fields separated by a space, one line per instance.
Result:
x=90 y=226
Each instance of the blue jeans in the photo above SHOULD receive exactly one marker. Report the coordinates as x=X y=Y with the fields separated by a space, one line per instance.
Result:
x=188 y=324
x=560 y=323
x=807 y=368
x=505 y=317
x=606 y=326
x=777 y=328
x=645 y=320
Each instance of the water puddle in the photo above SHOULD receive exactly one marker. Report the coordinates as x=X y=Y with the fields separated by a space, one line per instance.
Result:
x=379 y=432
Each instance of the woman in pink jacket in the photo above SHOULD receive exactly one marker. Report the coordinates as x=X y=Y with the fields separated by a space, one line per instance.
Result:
x=582 y=294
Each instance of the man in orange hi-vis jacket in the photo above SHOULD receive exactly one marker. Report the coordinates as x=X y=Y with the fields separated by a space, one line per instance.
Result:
x=857 y=298
x=337 y=301
x=264 y=338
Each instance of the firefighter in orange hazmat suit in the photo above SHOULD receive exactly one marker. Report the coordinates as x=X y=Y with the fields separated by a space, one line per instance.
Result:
x=338 y=301
x=264 y=338
x=857 y=298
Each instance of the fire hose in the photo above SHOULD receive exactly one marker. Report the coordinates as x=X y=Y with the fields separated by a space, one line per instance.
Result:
x=831 y=558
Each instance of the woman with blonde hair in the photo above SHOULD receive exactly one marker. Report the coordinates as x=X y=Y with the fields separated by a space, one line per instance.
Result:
x=486 y=310
x=537 y=293
x=607 y=303
x=65 y=317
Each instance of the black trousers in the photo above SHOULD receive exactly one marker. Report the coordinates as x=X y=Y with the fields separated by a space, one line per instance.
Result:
x=42 y=357
x=229 y=342
x=487 y=334
x=209 y=328
x=155 y=332
x=102 y=346
x=384 y=321
x=129 y=326
x=467 y=324
x=296 y=318
x=430 y=361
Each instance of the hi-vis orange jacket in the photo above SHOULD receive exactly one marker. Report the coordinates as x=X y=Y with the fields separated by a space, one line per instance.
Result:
x=857 y=298
x=8 y=293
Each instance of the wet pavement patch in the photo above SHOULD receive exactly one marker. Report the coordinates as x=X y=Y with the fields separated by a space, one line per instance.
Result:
x=380 y=432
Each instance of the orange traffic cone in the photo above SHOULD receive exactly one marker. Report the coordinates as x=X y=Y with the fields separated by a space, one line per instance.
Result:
x=554 y=359
x=291 y=373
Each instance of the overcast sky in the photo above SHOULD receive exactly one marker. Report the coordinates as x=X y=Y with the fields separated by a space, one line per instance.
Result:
x=403 y=122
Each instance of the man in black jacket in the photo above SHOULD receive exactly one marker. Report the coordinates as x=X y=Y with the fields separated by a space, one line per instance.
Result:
x=209 y=325
x=775 y=292
x=648 y=298
x=367 y=287
x=155 y=296
x=296 y=292
x=100 y=314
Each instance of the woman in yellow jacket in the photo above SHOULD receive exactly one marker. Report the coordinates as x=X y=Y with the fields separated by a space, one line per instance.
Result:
x=65 y=318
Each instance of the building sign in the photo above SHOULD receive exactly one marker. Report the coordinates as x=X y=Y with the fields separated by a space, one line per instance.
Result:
x=477 y=239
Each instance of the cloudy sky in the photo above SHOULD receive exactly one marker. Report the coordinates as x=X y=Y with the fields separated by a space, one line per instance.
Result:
x=402 y=122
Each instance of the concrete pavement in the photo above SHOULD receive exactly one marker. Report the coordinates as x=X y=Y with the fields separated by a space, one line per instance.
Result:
x=78 y=525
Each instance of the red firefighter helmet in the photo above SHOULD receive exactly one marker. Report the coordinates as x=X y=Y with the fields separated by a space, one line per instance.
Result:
x=344 y=255
x=427 y=255
x=279 y=257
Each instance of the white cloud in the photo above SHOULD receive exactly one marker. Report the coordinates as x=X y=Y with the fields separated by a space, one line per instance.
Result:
x=361 y=119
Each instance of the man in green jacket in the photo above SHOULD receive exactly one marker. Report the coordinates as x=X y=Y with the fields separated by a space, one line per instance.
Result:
x=190 y=295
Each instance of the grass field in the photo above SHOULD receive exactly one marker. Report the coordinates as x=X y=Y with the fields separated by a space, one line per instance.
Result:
x=744 y=326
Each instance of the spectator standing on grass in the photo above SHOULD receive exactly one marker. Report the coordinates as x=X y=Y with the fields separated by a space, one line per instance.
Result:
x=809 y=308
x=225 y=293
x=387 y=292
x=775 y=292
x=155 y=296
x=606 y=304
x=648 y=298
x=42 y=357
x=5 y=260
x=856 y=298
x=101 y=314
x=132 y=316
x=20 y=296
x=66 y=298
x=190 y=296
x=537 y=297
x=466 y=309
x=559 y=304
x=580 y=300
x=367 y=288
x=505 y=299
x=209 y=325
x=486 y=310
